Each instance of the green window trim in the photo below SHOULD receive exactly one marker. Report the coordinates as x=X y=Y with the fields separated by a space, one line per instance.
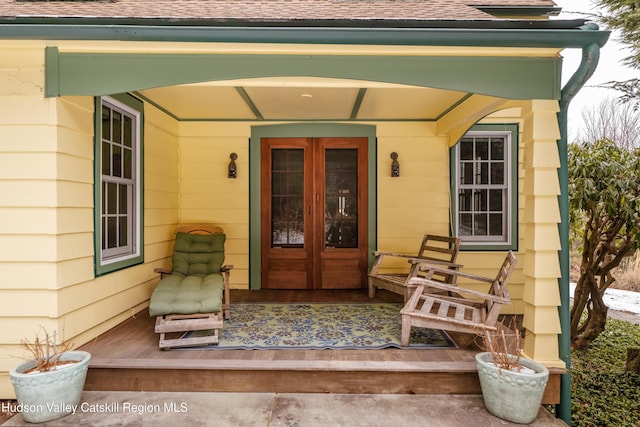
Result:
x=510 y=242
x=135 y=215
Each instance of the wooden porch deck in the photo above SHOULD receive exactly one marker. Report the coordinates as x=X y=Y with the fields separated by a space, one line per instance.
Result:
x=127 y=358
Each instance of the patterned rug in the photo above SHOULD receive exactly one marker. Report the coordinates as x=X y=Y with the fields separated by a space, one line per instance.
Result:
x=321 y=326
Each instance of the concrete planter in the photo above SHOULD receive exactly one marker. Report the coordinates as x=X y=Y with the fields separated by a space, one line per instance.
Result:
x=46 y=396
x=512 y=396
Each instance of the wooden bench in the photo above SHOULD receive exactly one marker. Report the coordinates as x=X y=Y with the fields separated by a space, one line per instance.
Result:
x=475 y=314
x=434 y=250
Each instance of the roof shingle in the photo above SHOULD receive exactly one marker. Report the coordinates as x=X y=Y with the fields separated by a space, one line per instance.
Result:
x=261 y=10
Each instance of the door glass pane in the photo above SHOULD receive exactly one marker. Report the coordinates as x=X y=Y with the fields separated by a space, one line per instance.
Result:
x=341 y=198
x=287 y=197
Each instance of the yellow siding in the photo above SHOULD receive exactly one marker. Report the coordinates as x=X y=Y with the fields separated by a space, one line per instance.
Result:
x=208 y=195
x=46 y=236
x=417 y=202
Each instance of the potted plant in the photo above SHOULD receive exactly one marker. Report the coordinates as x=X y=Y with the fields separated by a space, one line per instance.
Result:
x=48 y=386
x=512 y=386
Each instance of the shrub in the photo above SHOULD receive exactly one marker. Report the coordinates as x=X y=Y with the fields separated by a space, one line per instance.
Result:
x=602 y=392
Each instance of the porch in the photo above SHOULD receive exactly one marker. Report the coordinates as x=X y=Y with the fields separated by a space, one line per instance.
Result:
x=127 y=358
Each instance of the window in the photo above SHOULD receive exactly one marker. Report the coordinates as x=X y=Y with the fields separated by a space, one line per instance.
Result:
x=484 y=173
x=118 y=183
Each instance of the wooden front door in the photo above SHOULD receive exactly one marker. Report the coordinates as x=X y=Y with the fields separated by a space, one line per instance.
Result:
x=314 y=213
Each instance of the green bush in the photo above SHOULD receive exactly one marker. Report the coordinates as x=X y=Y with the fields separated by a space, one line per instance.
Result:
x=602 y=392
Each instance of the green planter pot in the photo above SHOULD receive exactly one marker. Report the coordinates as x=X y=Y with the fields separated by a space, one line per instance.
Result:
x=512 y=396
x=46 y=396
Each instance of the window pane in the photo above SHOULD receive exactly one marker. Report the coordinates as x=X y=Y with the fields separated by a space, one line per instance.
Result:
x=466 y=173
x=464 y=202
x=112 y=232
x=466 y=149
x=480 y=225
x=106 y=158
x=123 y=207
x=483 y=173
x=497 y=148
x=127 y=136
x=104 y=234
x=117 y=127
x=497 y=173
x=112 y=198
x=480 y=200
x=495 y=225
x=495 y=200
x=106 y=123
x=117 y=160
x=466 y=225
x=128 y=163
x=122 y=232
x=482 y=149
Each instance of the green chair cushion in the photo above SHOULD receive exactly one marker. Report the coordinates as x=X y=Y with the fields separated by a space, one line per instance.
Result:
x=180 y=294
x=196 y=283
x=198 y=253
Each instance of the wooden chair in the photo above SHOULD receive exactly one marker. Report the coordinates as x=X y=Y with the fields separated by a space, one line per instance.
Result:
x=194 y=295
x=434 y=250
x=475 y=314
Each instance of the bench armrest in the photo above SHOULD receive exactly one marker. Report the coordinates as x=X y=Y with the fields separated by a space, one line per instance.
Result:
x=435 y=264
x=423 y=283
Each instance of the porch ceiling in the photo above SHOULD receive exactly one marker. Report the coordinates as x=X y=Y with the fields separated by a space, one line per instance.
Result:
x=302 y=98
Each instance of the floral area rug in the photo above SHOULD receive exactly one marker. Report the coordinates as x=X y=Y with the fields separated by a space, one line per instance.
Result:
x=320 y=326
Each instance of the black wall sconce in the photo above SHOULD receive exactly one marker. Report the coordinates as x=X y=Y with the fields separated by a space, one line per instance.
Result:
x=233 y=170
x=395 y=166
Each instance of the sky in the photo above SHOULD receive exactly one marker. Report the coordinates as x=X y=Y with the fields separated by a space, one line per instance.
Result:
x=609 y=68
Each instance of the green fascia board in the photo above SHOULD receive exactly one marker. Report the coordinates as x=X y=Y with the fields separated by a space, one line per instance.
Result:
x=104 y=73
x=371 y=35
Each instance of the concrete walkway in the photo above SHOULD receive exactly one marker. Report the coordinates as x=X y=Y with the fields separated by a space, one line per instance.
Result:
x=100 y=408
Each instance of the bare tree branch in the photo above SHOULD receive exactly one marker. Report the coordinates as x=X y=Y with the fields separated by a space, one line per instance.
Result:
x=612 y=120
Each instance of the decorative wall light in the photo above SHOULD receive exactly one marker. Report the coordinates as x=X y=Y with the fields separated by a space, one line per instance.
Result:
x=395 y=166
x=233 y=171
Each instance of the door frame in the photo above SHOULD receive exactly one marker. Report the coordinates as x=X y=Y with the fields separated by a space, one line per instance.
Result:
x=305 y=130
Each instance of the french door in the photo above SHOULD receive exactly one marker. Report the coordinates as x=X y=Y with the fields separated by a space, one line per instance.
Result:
x=314 y=213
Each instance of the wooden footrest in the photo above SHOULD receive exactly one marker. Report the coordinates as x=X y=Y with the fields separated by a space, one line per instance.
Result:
x=186 y=323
